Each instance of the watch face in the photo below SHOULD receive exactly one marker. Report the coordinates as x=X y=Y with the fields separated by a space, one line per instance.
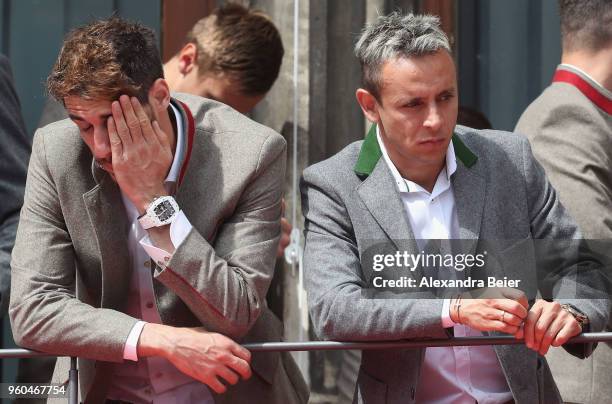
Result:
x=164 y=211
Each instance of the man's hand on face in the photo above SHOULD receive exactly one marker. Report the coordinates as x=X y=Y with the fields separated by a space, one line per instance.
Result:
x=498 y=309
x=205 y=356
x=548 y=324
x=142 y=152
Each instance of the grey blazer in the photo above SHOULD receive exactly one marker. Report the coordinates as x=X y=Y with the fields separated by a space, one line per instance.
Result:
x=349 y=200
x=14 y=154
x=572 y=139
x=71 y=267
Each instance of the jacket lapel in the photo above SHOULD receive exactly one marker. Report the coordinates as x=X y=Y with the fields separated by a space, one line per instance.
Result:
x=110 y=226
x=380 y=195
x=470 y=190
x=468 y=186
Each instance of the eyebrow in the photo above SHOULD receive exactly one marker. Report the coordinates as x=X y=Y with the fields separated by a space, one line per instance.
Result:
x=78 y=118
x=451 y=90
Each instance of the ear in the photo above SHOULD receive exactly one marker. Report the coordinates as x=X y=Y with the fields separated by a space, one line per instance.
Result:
x=159 y=96
x=188 y=59
x=369 y=105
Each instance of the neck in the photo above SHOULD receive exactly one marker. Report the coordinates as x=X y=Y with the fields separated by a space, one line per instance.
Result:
x=425 y=176
x=423 y=173
x=171 y=73
x=597 y=64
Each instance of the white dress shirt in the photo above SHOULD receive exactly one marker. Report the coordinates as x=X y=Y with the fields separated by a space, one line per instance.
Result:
x=454 y=375
x=153 y=379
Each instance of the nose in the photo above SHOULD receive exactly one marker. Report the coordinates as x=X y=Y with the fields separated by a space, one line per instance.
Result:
x=433 y=120
x=102 y=149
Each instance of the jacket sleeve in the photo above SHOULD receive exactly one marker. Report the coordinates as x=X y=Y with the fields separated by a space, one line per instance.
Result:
x=225 y=283
x=573 y=271
x=44 y=311
x=335 y=283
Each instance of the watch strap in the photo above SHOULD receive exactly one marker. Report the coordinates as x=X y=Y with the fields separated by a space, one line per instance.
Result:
x=580 y=317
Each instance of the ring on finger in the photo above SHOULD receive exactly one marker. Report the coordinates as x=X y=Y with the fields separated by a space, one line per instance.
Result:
x=503 y=315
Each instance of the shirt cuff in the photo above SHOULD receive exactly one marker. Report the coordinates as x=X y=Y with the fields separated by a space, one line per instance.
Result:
x=179 y=229
x=130 y=351
x=446 y=319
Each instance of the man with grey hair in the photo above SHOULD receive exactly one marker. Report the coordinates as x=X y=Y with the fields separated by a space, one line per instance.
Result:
x=417 y=178
x=569 y=127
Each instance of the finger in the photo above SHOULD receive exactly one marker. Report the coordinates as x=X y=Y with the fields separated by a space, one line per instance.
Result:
x=285 y=229
x=285 y=226
x=516 y=295
x=284 y=241
x=511 y=319
x=241 y=367
x=550 y=335
x=542 y=325
x=520 y=334
x=130 y=118
x=570 y=329
x=122 y=129
x=215 y=384
x=512 y=307
x=529 y=327
x=497 y=325
x=227 y=375
x=143 y=120
x=241 y=352
x=162 y=138
x=114 y=139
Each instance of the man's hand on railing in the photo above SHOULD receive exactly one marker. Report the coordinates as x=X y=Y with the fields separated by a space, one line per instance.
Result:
x=548 y=324
x=543 y=325
x=495 y=309
x=202 y=355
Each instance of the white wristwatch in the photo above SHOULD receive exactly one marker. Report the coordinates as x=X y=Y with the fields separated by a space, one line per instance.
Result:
x=162 y=211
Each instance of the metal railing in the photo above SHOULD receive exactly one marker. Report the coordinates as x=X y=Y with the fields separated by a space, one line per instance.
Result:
x=73 y=373
x=73 y=382
x=405 y=344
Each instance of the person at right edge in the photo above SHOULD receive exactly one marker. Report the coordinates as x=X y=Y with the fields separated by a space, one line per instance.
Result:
x=569 y=127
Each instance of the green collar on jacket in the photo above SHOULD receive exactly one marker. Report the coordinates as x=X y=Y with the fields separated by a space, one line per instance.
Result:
x=370 y=153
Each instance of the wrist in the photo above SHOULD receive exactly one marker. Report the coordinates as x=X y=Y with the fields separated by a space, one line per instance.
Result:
x=143 y=201
x=455 y=309
x=581 y=318
x=154 y=340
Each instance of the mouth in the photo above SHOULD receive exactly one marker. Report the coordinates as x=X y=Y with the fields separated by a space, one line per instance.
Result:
x=433 y=141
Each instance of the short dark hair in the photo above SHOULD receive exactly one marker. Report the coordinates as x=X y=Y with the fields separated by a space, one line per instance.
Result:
x=105 y=59
x=586 y=24
x=239 y=42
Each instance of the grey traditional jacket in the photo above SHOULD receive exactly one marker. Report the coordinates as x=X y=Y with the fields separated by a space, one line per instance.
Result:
x=571 y=137
x=350 y=200
x=71 y=267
